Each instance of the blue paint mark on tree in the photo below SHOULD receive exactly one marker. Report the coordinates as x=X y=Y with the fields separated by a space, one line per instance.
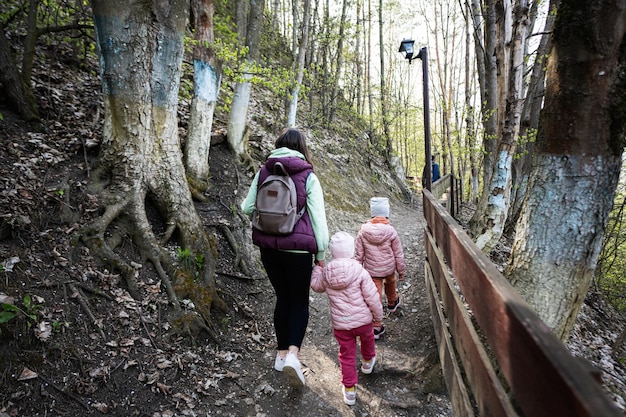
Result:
x=206 y=81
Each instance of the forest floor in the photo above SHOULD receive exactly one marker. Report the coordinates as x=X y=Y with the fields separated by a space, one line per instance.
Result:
x=91 y=349
x=82 y=346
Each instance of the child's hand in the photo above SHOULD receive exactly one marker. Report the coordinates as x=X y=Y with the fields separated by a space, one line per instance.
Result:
x=401 y=277
x=319 y=263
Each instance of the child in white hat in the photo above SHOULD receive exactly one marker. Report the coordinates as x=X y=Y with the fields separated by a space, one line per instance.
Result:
x=354 y=305
x=379 y=250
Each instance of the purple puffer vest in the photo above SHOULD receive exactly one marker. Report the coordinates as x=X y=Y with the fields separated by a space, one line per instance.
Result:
x=302 y=237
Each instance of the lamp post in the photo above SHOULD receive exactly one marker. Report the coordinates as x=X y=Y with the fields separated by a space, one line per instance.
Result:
x=407 y=47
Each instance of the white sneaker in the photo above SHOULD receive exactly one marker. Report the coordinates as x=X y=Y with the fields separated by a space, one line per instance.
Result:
x=279 y=363
x=292 y=370
x=349 y=395
x=368 y=366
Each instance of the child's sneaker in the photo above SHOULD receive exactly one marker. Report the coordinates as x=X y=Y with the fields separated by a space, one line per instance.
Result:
x=368 y=366
x=393 y=307
x=292 y=370
x=279 y=363
x=379 y=332
x=349 y=395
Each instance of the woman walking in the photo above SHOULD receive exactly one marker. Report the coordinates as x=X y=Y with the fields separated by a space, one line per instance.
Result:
x=288 y=259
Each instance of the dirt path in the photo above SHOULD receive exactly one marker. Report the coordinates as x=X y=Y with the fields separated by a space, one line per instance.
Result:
x=406 y=380
x=134 y=366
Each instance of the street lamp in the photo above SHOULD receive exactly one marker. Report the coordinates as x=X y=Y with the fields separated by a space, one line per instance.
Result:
x=407 y=49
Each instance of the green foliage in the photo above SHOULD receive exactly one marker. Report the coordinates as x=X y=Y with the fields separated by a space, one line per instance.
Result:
x=522 y=150
x=225 y=322
x=199 y=261
x=611 y=270
x=65 y=28
x=182 y=254
x=9 y=312
x=192 y=263
x=235 y=68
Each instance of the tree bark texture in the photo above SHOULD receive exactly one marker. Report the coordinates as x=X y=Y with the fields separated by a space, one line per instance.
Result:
x=302 y=51
x=383 y=88
x=485 y=43
x=206 y=80
x=530 y=119
x=490 y=225
x=18 y=92
x=141 y=49
x=237 y=121
x=576 y=164
x=335 y=91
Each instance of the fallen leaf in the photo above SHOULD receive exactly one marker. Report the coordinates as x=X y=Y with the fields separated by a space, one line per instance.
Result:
x=43 y=331
x=164 y=389
x=27 y=374
x=6 y=299
x=8 y=264
x=102 y=407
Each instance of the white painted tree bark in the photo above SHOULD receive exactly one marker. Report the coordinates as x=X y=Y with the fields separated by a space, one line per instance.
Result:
x=206 y=80
x=238 y=118
x=576 y=164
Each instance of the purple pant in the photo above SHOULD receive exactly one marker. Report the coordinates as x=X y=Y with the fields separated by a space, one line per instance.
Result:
x=347 y=351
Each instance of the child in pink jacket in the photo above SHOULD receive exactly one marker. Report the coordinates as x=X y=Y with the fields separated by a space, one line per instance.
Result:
x=354 y=304
x=379 y=250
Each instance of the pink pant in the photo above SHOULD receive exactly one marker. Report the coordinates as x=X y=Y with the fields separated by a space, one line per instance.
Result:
x=389 y=283
x=347 y=351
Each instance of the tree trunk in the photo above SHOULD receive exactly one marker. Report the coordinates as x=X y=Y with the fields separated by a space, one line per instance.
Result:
x=302 y=50
x=530 y=121
x=141 y=49
x=489 y=226
x=470 y=143
x=383 y=88
x=19 y=94
x=576 y=164
x=368 y=71
x=325 y=69
x=339 y=63
x=485 y=43
x=358 y=60
x=206 y=80
x=30 y=41
x=237 y=122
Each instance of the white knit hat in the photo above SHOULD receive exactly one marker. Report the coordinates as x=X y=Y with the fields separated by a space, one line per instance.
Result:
x=379 y=206
x=342 y=245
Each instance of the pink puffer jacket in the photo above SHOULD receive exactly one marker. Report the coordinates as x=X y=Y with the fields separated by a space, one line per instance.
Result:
x=379 y=249
x=354 y=299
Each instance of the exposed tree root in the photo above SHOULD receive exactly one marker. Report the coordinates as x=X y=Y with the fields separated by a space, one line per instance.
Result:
x=194 y=280
x=197 y=188
x=65 y=392
x=241 y=277
x=85 y=306
x=243 y=309
x=240 y=261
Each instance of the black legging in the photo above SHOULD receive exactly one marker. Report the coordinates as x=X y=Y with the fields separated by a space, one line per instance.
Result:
x=290 y=275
